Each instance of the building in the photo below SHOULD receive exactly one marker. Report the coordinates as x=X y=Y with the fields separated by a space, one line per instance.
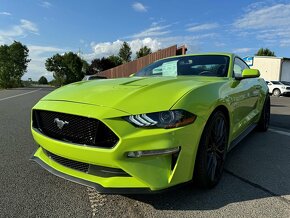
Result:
x=271 y=68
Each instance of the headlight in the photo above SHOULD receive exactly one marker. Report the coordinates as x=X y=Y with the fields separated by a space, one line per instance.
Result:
x=163 y=119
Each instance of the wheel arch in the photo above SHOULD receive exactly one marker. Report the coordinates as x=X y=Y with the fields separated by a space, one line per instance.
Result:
x=225 y=111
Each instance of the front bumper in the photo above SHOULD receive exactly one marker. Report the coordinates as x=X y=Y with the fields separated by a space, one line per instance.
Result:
x=286 y=92
x=144 y=174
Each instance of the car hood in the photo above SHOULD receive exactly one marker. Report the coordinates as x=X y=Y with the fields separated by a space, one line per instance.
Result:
x=132 y=95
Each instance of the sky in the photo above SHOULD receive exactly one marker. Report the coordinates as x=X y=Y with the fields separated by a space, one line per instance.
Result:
x=97 y=28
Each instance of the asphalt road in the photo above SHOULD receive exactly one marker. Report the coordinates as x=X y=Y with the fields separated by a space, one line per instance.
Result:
x=256 y=182
x=26 y=189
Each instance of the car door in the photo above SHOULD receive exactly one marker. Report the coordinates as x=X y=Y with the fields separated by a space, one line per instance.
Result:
x=245 y=95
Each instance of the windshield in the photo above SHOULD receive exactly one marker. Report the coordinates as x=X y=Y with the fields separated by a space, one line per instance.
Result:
x=277 y=83
x=202 y=65
x=286 y=83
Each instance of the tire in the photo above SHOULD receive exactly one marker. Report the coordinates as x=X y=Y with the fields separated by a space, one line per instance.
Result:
x=276 y=92
x=212 y=151
x=264 y=120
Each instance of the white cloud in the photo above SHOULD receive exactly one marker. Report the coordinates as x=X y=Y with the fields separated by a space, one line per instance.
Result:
x=192 y=42
x=256 y=6
x=37 y=50
x=242 y=50
x=38 y=55
x=137 y=6
x=185 y=39
x=154 y=37
x=267 y=17
x=153 y=31
x=105 y=49
x=136 y=44
x=45 y=4
x=5 y=13
x=285 y=42
x=28 y=25
x=21 y=30
x=202 y=27
x=2 y=40
x=271 y=24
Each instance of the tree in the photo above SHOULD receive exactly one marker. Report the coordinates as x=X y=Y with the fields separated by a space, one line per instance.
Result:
x=42 y=80
x=66 y=68
x=85 y=67
x=265 y=52
x=13 y=64
x=125 y=53
x=143 y=51
x=99 y=65
x=55 y=64
x=116 y=60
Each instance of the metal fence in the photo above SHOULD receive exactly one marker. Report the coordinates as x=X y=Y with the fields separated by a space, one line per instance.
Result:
x=129 y=68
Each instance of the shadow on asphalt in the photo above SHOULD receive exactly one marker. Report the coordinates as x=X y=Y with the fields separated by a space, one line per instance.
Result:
x=256 y=168
x=273 y=105
x=280 y=121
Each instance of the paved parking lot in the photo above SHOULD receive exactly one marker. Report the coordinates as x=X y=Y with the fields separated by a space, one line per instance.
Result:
x=255 y=183
x=280 y=111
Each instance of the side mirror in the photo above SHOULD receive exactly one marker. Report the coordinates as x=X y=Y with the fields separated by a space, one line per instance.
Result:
x=249 y=73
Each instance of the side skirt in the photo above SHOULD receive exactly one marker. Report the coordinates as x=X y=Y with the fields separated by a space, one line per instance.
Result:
x=242 y=136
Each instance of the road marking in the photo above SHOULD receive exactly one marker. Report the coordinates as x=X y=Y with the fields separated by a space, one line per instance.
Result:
x=14 y=96
x=280 y=132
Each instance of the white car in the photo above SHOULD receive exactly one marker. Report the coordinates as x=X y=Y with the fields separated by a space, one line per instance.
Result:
x=277 y=88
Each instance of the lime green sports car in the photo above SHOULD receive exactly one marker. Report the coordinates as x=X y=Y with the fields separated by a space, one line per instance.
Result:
x=171 y=123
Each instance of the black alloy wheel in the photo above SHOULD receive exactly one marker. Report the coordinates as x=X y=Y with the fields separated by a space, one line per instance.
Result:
x=212 y=151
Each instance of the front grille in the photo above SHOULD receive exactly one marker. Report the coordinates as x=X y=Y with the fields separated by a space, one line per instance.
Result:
x=87 y=168
x=288 y=88
x=73 y=128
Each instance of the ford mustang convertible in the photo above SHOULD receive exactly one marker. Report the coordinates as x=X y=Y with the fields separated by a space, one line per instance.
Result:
x=170 y=123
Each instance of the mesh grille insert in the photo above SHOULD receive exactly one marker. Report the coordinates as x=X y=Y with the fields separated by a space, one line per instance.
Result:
x=83 y=167
x=87 y=168
x=73 y=128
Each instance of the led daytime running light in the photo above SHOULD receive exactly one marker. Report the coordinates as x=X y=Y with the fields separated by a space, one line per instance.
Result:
x=142 y=120
x=163 y=119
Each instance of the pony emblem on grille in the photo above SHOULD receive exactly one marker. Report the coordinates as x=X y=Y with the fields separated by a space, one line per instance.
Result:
x=60 y=123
